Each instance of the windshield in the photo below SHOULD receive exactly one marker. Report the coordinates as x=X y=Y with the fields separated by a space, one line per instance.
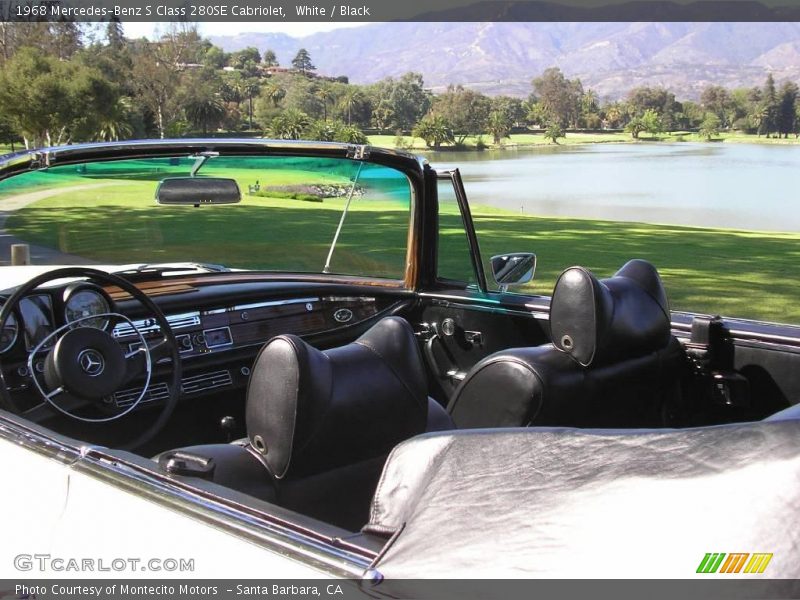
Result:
x=296 y=214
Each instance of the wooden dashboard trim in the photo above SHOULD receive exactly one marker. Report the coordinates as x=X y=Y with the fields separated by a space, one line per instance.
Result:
x=176 y=285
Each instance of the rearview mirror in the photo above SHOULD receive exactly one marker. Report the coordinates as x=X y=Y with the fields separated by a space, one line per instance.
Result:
x=513 y=269
x=195 y=191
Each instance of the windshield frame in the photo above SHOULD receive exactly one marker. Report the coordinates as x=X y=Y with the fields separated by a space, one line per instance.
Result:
x=413 y=167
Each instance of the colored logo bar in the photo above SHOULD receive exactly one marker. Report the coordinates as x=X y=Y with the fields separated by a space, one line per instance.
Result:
x=735 y=562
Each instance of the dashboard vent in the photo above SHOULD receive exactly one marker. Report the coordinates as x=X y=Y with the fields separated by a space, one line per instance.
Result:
x=146 y=326
x=206 y=381
x=156 y=393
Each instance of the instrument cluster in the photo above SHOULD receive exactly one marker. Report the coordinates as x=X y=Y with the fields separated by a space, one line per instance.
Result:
x=34 y=319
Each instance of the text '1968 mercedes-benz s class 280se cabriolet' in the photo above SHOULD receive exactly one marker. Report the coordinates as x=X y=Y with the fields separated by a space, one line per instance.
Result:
x=304 y=359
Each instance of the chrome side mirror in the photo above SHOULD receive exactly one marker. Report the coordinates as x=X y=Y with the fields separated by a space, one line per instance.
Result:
x=513 y=269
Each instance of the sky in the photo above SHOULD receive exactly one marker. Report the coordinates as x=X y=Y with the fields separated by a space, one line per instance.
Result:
x=136 y=30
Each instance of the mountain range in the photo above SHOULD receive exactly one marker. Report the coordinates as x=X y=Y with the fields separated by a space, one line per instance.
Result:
x=503 y=57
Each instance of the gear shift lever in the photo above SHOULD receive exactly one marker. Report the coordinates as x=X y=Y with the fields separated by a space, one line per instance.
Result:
x=228 y=425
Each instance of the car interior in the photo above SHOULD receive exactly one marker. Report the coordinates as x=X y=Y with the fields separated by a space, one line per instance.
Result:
x=335 y=399
x=308 y=423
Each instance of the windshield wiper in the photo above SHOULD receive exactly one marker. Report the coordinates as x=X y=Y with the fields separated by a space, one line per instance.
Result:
x=145 y=271
x=327 y=267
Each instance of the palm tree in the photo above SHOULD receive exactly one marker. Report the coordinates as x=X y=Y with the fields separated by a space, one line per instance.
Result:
x=351 y=97
x=274 y=92
x=499 y=125
x=554 y=131
x=290 y=124
x=710 y=126
x=205 y=111
x=435 y=130
x=115 y=125
x=250 y=86
x=324 y=93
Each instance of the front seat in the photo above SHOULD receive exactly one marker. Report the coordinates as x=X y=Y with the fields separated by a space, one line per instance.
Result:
x=612 y=362
x=320 y=424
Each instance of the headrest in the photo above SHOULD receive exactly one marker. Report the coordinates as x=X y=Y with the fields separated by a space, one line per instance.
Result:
x=599 y=322
x=309 y=411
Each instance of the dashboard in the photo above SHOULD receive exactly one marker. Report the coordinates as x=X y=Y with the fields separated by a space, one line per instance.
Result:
x=219 y=328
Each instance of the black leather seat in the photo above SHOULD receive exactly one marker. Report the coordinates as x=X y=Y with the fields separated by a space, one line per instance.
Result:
x=321 y=423
x=612 y=362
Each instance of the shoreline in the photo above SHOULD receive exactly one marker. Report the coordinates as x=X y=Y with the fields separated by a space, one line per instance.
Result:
x=536 y=140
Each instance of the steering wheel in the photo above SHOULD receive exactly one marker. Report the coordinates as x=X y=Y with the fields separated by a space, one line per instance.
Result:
x=85 y=366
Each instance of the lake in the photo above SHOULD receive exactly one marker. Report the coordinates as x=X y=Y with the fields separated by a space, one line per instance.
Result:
x=741 y=186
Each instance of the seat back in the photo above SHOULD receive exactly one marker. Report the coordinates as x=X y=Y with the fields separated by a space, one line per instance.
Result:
x=321 y=423
x=612 y=362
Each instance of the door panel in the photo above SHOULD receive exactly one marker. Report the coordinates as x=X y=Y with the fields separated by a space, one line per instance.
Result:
x=765 y=355
x=457 y=335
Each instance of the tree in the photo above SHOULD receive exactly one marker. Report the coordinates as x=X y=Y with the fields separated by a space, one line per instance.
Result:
x=498 y=125
x=274 y=92
x=406 y=99
x=115 y=36
x=7 y=133
x=204 y=109
x=116 y=124
x=155 y=82
x=717 y=99
x=466 y=110
x=302 y=62
x=351 y=97
x=215 y=58
x=50 y=101
x=710 y=126
x=251 y=86
x=786 y=113
x=269 y=59
x=768 y=109
x=652 y=123
x=435 y=130
x=383 y=114
x=658 y=100
x=513 y=108
x=290 y=124
x=351 y=134
x=553 y=132
x=635 y=127
x=559 y=97
x=243 y=58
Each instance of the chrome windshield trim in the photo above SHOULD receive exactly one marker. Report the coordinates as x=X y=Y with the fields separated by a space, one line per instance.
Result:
x=29 y=160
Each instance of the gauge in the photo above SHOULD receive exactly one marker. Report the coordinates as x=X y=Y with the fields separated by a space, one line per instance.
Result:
x=84 y=303
x=10 y=332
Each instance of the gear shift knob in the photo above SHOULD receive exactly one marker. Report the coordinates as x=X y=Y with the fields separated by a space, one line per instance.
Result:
x=228 y=425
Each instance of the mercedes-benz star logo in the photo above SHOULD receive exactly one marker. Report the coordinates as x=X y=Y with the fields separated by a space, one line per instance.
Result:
x=92 y=363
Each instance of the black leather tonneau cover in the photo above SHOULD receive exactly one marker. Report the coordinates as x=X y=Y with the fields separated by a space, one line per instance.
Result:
x=563 y=503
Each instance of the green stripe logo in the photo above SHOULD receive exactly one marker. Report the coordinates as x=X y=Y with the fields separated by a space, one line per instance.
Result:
x=711 y=562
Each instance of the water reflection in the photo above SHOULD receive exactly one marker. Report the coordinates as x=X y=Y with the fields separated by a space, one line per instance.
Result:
x=742 y=186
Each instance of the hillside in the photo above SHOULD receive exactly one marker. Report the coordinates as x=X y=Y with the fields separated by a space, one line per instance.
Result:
x=501 y=58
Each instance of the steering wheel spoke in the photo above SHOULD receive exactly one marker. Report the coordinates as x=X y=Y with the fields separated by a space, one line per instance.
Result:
x=161 y=351
x=44 y=410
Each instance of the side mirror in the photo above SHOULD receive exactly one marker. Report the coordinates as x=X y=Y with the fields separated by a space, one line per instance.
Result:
x=513 y=269
x=194 y=191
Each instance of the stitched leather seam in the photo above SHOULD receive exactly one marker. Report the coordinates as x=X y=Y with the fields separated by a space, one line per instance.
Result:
x=388 y=364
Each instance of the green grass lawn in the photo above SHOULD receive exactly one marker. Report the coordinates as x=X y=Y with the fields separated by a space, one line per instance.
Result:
x=736 y=273
x=515 y=140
